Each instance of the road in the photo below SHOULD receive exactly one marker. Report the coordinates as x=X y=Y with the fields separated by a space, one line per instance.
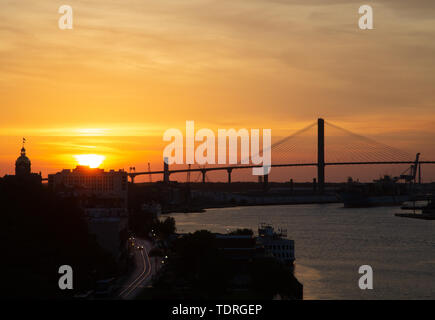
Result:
x=141 y=278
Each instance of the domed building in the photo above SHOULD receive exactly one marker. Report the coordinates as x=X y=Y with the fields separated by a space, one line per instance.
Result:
x=23 y=164
x=23 y=173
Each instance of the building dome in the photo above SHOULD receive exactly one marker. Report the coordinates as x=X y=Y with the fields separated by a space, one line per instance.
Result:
x=22 y=165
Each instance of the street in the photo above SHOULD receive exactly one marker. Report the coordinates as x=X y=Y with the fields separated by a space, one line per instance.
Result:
x=142 y=275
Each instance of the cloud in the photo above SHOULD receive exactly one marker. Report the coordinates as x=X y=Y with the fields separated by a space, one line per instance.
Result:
x=276 y=61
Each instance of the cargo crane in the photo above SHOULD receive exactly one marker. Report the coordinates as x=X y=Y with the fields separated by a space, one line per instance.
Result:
x=410 y=174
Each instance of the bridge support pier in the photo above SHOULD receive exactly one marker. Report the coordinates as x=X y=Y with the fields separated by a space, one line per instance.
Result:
x=204 y=172
x=132 y=179
x=321 y=154
x=165 y=170
x=419 y=173
x=229 y=175
x=265 y=181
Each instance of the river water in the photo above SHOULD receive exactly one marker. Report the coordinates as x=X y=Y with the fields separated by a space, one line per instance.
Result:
x=331 y=242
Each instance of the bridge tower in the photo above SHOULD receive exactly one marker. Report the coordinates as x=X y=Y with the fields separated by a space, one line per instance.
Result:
x=321 y=154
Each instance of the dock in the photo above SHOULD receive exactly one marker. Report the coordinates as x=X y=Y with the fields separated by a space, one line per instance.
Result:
x=416 y=216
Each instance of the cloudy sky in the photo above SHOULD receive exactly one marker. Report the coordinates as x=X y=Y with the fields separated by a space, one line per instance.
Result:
x=131 y=69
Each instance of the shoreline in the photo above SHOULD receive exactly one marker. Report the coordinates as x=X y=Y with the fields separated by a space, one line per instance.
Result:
x=203 y=208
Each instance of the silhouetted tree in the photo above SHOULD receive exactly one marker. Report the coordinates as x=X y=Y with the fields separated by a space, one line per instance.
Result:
x=243 y=232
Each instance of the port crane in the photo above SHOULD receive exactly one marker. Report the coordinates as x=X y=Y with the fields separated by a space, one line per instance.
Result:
x=410 y=174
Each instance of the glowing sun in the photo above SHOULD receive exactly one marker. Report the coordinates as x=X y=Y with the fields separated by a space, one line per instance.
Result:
x=91 y=160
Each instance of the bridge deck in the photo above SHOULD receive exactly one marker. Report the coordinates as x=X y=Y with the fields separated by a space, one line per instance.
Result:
x=134 y=174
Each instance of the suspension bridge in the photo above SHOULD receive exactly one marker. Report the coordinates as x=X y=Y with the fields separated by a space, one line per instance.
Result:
x=357 y=151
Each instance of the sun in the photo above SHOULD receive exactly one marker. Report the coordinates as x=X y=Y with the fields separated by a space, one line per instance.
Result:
x=90 y=160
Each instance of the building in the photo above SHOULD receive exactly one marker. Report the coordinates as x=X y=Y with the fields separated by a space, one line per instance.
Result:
x=109 y=226
x=91 y=182
x=103 y=196
x=23 y=171
x=22 y=164
x=275 y=244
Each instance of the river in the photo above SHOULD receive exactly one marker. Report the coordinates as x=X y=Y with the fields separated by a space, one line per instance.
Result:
x=331 y=242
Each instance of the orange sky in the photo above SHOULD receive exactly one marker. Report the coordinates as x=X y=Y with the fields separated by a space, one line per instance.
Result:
x=131 y=69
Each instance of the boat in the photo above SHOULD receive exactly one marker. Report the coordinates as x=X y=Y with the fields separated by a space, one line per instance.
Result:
x=427 y=212
x=382 y=192
x=413 y=206
x=276 y=244
x=386 y=191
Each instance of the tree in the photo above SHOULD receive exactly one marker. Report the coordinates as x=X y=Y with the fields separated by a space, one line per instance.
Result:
x=242 y=232
x=165 y=228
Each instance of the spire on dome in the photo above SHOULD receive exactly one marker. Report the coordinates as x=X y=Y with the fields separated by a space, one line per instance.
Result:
x=23 y=150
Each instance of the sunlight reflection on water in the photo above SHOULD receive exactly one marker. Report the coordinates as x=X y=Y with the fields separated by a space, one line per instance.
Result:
x=332 y=242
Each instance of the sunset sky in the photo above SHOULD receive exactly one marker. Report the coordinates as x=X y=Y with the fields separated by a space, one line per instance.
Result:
x=130 y=69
